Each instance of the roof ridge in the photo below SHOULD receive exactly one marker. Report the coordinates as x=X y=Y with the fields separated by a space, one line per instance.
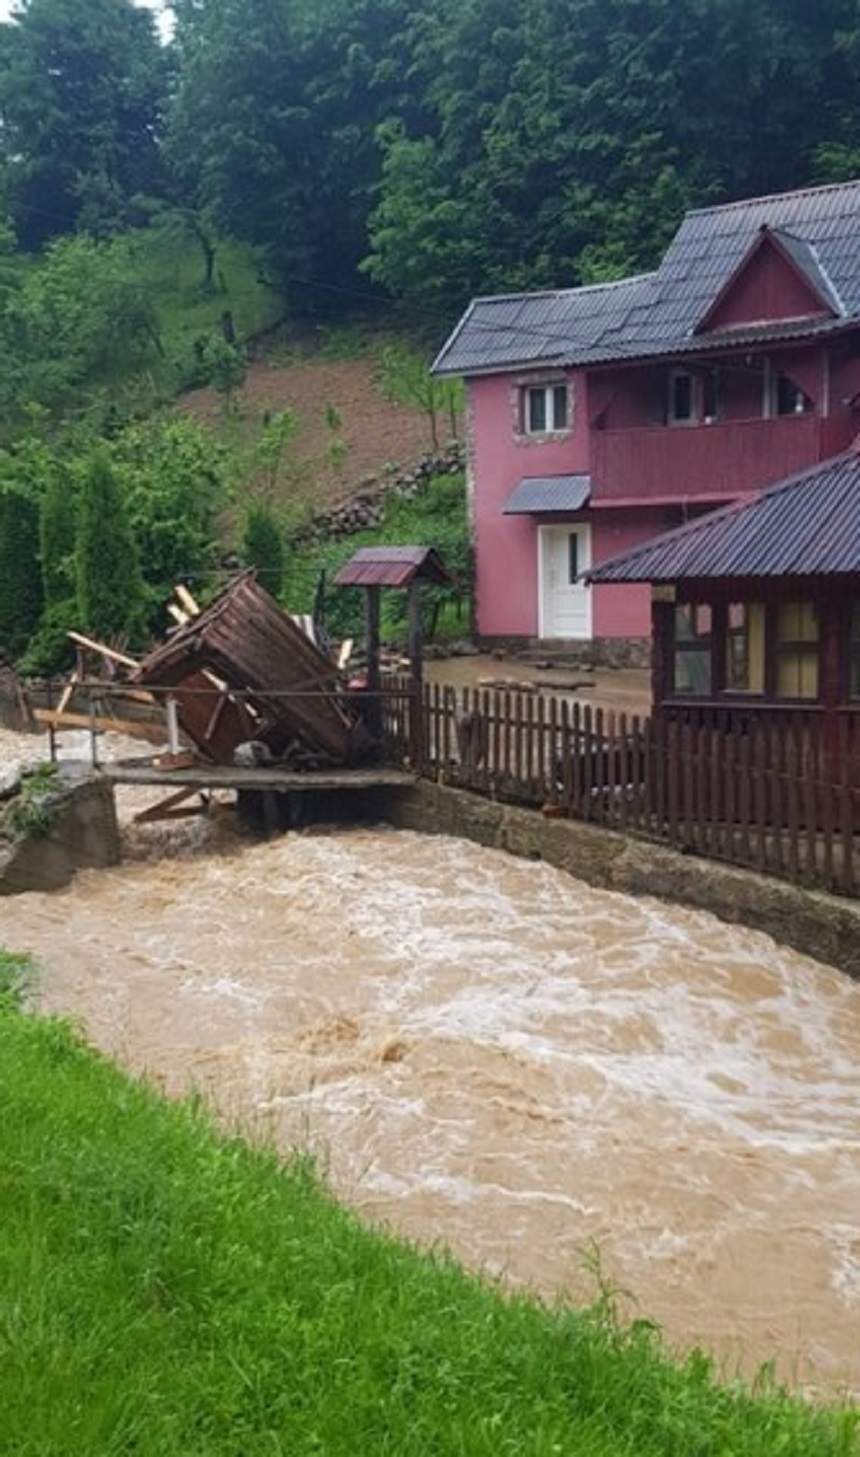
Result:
x=501 y=298
x=773 y=197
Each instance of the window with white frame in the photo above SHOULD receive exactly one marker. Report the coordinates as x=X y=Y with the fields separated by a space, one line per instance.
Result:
x=545 y=409
x=694 y=397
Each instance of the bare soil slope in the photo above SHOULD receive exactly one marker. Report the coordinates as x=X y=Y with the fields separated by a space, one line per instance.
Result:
x=376 y=432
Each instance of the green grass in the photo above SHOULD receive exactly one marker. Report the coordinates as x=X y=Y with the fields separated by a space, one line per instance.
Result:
x=167 y=1292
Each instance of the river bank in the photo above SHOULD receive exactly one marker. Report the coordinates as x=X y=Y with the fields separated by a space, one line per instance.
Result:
x=486 y=1052
x=168 y=1292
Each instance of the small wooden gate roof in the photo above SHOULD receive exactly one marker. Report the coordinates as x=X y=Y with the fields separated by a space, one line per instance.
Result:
x=393 y=566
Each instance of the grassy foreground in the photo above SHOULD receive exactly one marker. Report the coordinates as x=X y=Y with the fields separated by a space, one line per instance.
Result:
x=167 y=1292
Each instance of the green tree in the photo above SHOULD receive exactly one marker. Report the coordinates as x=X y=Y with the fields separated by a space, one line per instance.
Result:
x=263 y=546
x=20 y=577
x=110 y=592
x=294 y=170
x=57 y=526
x=406 y=380
x=82 y=89
x=79 y=321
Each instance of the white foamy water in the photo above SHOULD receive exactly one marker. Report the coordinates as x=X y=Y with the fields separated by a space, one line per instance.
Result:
x=489 y=1054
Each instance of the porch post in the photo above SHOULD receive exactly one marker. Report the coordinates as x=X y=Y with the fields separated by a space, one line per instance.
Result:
x=416 y=661
x=373 y=717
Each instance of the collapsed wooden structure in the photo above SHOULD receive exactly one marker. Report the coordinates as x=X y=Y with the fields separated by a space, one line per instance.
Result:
x=242 y=670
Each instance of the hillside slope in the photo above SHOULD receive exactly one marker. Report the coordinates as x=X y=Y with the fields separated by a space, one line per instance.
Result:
x=374 y=432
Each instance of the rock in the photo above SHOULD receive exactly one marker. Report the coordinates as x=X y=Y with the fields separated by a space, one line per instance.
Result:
x=82 y=834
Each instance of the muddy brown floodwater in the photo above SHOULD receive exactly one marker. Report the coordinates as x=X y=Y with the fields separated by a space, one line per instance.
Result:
x=489 y=1054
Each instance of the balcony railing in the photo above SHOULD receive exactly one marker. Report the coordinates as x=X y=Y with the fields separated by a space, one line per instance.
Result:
x=724 y=459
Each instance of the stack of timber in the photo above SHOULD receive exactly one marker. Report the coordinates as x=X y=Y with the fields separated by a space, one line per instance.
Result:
x=243 y=670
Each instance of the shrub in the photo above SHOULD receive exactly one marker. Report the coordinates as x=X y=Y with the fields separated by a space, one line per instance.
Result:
x=20 y=575
x=110 y=591
x=263 y=547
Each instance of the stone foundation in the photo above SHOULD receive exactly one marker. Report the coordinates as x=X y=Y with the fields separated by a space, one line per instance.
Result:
x=83 y=835
x=595 y=652
x=819 y=925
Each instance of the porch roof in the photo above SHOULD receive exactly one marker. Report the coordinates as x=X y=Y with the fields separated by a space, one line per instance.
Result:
x=808 y=525
x=545 y=495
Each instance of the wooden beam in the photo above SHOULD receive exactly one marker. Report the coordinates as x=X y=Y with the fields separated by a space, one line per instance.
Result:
x=106 y=652
x=134 y=729
x=187 y=601
x=167 y=808
x=374 y=677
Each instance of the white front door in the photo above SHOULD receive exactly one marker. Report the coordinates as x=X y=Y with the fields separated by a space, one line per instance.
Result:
x=564 y=553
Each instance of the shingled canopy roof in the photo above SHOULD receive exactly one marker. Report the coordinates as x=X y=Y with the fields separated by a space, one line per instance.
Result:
x=654 y=314
x=393 y=566
x=808 y=525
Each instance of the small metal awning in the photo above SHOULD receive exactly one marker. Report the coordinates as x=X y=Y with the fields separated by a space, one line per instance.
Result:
x=545 y=495
x=393 y=566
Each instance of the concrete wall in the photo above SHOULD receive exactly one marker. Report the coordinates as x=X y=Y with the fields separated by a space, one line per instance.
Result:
x=819 y=925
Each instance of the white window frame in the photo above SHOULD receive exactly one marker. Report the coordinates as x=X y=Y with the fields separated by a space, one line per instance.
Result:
x=548 y=391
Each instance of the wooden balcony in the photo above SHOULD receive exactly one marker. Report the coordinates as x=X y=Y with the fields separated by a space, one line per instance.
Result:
x=661 y=463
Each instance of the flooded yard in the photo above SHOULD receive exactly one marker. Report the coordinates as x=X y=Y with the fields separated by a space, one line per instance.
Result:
x=488 y=1054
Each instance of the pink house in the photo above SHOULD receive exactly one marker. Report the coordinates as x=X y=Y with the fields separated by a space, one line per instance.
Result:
x=601 y=416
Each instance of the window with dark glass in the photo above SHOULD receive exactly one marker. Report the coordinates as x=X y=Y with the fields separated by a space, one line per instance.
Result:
x=573 y=558
x=796 y=648
x=854 y=652
x=692 y=655
x=710 y=395
x=546 y=408
x=682 y=397
x=745 y=647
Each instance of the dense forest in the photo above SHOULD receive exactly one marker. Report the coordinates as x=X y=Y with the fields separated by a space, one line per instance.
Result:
x=421 y=152
x=334 y=157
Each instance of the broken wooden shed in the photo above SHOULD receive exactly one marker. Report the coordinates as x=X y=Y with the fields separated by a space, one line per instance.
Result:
x=242 y=670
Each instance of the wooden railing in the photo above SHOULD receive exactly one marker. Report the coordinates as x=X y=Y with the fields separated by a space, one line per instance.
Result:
x=771 y=795
x=729 y=457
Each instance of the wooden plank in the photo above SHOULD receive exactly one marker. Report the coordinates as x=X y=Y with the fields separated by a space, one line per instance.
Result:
x=825 y=775
x=745 y=797
x=67 y=692
x=540 y=766
x=715 y=793
x=553 y=752
x=609 y=756
x=568 y=757
x=688 y=818
x=810 y=805
x=106 y=652
x=846 y=817
x=133 y=728
x=586 y=741
x=792 y=798
x=187 y=601
x=776 y=797
x=729 y=745
x=759 y=795
x=177 y=614
x=167 y=807
x=673 y=781
x=223 y=776
x=497 y=740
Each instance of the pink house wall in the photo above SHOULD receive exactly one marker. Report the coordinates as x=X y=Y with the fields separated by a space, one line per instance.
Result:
x=507 y=546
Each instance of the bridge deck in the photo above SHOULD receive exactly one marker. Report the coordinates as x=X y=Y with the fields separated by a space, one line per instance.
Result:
x=215 y=776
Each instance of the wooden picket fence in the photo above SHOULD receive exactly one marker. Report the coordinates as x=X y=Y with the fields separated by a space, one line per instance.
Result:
x=764 y=793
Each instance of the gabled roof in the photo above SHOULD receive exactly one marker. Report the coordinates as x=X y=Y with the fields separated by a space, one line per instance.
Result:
x=656 y=313
x=798 y=255
x=392 y=566
x=808 y=525
x=540 y=495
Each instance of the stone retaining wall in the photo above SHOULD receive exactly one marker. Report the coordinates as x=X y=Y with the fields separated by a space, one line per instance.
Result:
x=819 y=925
x=83 y=835
x=366 y=505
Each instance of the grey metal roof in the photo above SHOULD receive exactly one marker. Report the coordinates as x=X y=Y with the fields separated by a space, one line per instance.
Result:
x=537 y=495
x=655 y=313
x=805 y=526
